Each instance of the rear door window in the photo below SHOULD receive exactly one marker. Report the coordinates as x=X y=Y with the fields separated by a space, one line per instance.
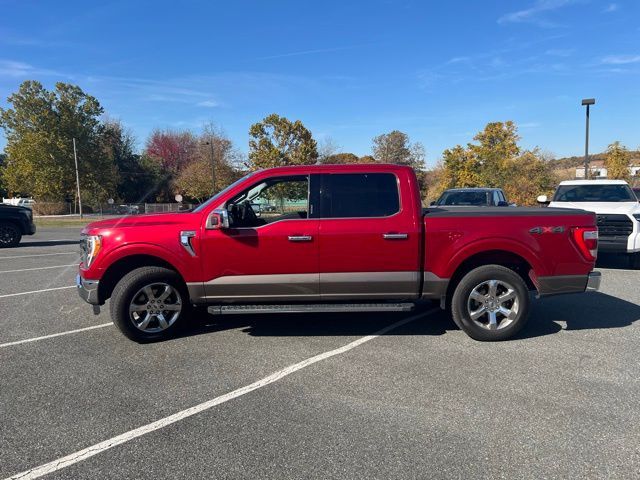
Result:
x=359 y=195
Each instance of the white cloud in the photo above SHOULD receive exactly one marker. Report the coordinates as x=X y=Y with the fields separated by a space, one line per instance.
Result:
x=612 y=7
x=12 y=68
x=208 y=103
x=620 y=59
x=559 y=52
x=532 y=14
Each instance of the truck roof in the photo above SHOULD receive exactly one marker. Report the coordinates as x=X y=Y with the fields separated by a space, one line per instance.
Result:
x=593 y=182
x=334 y=168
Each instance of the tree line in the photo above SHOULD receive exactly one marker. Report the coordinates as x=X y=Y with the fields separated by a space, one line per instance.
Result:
x=40 y=126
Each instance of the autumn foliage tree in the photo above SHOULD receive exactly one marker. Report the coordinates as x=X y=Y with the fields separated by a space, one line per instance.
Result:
x=496 y=160
x=215 y=152
x=617 y=162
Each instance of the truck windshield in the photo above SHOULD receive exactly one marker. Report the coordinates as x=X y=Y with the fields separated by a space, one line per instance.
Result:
x=470 y=198
x=594 y=193
x=213 y=199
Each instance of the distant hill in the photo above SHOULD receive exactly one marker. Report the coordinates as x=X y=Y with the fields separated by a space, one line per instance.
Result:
x=573 y=162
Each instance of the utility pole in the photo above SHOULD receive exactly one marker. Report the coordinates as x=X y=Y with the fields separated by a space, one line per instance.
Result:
x=75 y=157
x=213 y=163
x=587 y=102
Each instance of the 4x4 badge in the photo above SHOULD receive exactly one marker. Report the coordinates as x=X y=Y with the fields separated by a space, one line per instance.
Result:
x=541 y=230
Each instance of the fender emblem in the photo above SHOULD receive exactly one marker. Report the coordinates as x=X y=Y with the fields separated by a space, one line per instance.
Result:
x=541 y=230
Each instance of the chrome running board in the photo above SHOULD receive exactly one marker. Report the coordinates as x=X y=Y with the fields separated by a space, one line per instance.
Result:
x=310 y=308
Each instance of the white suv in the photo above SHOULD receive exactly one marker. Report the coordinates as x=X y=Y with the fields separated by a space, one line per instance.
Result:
x=616 y=207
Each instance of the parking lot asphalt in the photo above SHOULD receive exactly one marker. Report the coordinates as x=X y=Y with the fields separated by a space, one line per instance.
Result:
x=419 y=401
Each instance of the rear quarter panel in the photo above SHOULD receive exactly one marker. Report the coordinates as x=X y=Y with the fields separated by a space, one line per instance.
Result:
x=450 y=239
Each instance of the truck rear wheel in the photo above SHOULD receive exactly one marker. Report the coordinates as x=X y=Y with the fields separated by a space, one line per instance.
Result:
x=490 y=303
x=149 y=303
x=10 y=235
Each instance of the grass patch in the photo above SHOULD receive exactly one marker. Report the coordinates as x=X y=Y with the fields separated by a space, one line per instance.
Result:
x=65 y=221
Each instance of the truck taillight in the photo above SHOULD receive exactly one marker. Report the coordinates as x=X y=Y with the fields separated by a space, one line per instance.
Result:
x=586 y=239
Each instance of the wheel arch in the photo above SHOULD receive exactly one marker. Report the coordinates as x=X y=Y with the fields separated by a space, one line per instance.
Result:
x=504 y=258
x=126 y=264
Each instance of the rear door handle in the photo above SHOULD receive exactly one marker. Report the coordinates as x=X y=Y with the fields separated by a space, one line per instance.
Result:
x=300 y=238
x=395 y=236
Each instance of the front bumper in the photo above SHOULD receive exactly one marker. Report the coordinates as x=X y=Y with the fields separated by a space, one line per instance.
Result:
x=88 y=290
x=561 y=284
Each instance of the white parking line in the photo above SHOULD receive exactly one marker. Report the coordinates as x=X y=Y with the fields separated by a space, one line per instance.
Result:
x=38 y=268
x=36 y=291
x=41 y=255
x=69 y=332
x=88 y=452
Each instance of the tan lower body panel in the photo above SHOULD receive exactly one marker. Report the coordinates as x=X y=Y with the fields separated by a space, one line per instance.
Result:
x=307 y=287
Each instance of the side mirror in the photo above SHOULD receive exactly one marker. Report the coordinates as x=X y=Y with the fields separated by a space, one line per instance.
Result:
x=433 y=203
x=218 y=219
x=543 y=199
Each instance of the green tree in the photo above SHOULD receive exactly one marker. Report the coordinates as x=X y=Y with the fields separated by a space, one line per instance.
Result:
x=341 y=158
x=3 y=159
x=276 y=141
x=39 y=129
x=395 y=147
x=137 y=181
x=617 y=162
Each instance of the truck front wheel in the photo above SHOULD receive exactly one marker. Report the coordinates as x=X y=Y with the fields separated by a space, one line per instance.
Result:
x=490 y=303
x=149 y=303
x=10 y=235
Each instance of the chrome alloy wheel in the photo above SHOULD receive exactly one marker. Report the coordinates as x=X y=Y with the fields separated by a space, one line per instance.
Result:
x=155 y=307
x=493 y=304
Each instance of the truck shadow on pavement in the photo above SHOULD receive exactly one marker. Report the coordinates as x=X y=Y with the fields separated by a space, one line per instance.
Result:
x=434 y=322
x=548 y=316
x=592 y=311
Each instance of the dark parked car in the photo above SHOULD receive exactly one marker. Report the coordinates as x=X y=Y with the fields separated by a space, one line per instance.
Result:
x=14 y=223
x=473 y=197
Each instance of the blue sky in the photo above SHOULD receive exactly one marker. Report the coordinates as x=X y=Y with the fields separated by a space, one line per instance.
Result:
x=349 y=70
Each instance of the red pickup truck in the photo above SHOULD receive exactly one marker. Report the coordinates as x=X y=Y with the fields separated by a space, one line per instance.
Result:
x=329 y=239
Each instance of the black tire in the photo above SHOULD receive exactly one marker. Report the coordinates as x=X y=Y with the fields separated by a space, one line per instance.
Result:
x=475 y=283
x=634 y=261
x=130 y=290
x=10 y=235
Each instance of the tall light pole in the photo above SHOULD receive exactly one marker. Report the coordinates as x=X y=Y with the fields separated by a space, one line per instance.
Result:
x=213 y=163
x=587 y=102
x=75 y=158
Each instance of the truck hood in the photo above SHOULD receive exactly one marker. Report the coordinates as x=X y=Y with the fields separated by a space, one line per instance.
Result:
x=149 y=220
x=626 y=208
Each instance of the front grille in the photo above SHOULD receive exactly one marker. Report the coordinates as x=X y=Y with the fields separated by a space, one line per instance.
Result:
x=614 y=225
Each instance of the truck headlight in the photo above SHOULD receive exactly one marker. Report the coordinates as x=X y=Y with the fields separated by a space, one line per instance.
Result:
x=637 y=216
x=91 y=247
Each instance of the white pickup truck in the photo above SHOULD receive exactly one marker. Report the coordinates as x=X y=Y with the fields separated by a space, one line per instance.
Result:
x=616 y=208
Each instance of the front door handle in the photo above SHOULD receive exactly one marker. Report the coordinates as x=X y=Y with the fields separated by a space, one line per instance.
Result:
x=395 y=236
x=300 y=238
